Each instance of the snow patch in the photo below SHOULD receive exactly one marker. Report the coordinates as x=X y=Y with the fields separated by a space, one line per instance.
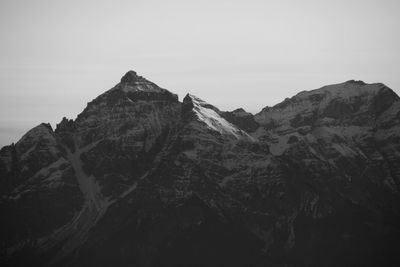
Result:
x=214 y=121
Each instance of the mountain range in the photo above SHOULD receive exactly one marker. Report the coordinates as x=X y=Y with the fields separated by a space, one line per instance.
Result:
x=142 y=179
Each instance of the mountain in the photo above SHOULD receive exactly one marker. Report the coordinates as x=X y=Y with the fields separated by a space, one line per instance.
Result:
x=141 y=179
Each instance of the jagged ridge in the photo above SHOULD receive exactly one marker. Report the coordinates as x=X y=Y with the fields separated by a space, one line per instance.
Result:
x=139 y=171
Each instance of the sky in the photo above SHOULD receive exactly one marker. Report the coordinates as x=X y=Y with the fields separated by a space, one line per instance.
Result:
x=57 y=55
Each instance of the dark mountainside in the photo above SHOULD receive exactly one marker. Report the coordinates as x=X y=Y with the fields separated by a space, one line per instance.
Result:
x=141 y=179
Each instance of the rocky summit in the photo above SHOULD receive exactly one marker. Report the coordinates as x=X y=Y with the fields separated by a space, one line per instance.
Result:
x=141 y=179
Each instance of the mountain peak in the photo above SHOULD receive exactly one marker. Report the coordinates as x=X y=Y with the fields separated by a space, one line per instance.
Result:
x=43 y=132
x=130 y=77
x=359 y=82
x=241 y=112
x=131 y=83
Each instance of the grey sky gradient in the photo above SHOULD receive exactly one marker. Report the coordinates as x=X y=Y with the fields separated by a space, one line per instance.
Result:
x=55 y=56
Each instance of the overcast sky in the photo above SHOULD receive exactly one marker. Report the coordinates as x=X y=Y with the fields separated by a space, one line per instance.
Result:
x=55 y=56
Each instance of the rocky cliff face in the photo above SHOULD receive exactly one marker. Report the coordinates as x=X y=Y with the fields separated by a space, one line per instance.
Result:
x=140 y=178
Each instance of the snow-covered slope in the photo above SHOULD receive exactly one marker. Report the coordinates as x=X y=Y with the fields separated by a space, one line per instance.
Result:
x=352 y=102
x=210 y=116
x=351 y=109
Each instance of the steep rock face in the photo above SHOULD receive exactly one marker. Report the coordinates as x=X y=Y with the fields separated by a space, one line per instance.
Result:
x=341 y=141
x=39 y=189
x=121 y=131
x=100 y=156
x=337 y=114
x=190 y=192
x=207 y=178
x=313 y=180
x=349 y=125
x=242 y=119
